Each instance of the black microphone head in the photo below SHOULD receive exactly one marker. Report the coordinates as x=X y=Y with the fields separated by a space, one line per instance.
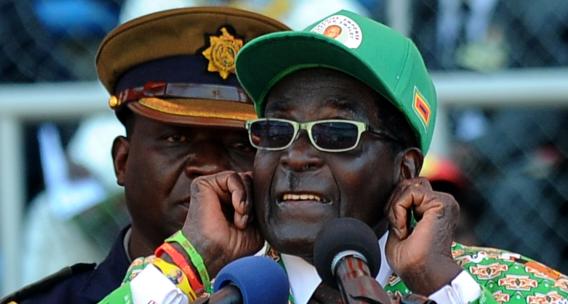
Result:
x=343 y=234
x=259 y=280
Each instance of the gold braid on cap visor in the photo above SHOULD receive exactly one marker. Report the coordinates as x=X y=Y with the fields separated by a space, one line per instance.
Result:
x=201 y=108
x=189 y=99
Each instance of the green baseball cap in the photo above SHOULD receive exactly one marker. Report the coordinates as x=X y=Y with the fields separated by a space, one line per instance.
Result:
x=380 y=57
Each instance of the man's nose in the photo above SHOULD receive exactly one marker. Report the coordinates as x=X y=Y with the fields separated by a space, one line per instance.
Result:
x=206 y=158
x=301 y=155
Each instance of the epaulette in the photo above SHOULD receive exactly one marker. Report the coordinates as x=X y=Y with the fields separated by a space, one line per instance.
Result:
x=46 y=283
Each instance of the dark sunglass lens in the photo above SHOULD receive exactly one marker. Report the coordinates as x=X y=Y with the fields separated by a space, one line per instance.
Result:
x=335 y=135
x=271 y=134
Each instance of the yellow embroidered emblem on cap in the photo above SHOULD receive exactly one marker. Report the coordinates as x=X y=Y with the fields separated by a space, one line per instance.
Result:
x=222 y=52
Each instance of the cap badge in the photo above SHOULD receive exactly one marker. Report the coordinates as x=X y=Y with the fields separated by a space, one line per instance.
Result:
x=222 y=52
x=421 y=107
x=342 y=29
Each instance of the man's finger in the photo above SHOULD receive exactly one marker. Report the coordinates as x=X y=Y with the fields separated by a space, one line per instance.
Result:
x=240 y=187
x=206 y=198
x=399 y=214
x=408 y=195
x=236 y=187
x=247 y=180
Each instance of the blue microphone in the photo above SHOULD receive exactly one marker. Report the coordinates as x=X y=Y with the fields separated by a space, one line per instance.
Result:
x=251 y=280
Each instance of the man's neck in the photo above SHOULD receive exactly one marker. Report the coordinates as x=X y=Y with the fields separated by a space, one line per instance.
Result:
x=139 y=245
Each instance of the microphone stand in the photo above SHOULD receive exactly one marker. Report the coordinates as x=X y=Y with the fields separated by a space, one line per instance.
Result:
x=356 y=284
x=358 y=287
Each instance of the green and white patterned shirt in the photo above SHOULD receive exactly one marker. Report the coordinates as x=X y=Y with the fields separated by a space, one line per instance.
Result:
x=489 y=276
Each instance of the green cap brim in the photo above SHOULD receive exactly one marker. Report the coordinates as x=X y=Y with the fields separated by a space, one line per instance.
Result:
x=258 y=71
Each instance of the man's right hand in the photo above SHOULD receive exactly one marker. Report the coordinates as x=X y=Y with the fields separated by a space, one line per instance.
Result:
x=216 y=237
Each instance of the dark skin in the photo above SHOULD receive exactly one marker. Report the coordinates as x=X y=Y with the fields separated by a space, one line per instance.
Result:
x=291 y=226
x=374 y=183
x=156 y=165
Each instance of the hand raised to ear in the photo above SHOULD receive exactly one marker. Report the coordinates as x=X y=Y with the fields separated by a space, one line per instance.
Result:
x=422 y=256
x=216 y=237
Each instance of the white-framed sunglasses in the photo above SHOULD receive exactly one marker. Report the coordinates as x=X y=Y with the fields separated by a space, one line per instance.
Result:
x=329 y=135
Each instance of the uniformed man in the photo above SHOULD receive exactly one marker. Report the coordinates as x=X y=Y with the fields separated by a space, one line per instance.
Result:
x=171 y=77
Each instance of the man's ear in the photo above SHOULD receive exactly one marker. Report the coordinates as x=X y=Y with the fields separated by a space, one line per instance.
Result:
x=410 y=162
x=120 y=150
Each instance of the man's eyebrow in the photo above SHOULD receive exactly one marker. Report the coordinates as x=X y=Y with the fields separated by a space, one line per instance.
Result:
x=345 y=104
x=278 y=106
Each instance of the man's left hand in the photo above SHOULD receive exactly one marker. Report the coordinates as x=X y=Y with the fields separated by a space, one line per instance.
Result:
x=421 y=255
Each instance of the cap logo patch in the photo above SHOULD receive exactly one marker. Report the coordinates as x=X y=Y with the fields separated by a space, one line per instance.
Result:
x=421 y=107
x=222 y=52
x=342 y=29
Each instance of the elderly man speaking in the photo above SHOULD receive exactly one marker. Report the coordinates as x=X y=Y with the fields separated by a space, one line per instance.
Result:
x=344 y=123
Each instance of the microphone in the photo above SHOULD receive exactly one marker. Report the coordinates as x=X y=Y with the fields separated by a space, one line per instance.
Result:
x=250 y=280
x=347 y=256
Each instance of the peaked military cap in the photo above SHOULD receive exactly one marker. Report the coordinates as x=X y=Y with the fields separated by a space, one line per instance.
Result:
x=178 y=66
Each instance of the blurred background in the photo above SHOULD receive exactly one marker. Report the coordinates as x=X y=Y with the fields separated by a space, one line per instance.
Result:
x=500 y=68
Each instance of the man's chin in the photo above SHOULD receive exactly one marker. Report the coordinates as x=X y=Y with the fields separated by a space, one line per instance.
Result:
x=293 y=246
x=294 y=236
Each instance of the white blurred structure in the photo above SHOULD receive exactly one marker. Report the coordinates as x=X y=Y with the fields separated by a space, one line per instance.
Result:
x=50 y=227
x=297 y=14
x=136 y=8
x=18 y=104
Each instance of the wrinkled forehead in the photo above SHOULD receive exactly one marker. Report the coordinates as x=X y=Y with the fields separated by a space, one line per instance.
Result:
x=321 y=90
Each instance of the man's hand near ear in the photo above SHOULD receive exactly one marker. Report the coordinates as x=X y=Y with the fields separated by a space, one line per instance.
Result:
x=421 y=255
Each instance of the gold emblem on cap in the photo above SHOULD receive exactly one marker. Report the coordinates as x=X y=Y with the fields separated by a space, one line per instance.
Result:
x=113 y=102
x=222 y=52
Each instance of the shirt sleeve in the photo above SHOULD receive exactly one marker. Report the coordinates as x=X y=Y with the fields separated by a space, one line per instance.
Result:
x=462 y=289
x=151 y=286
